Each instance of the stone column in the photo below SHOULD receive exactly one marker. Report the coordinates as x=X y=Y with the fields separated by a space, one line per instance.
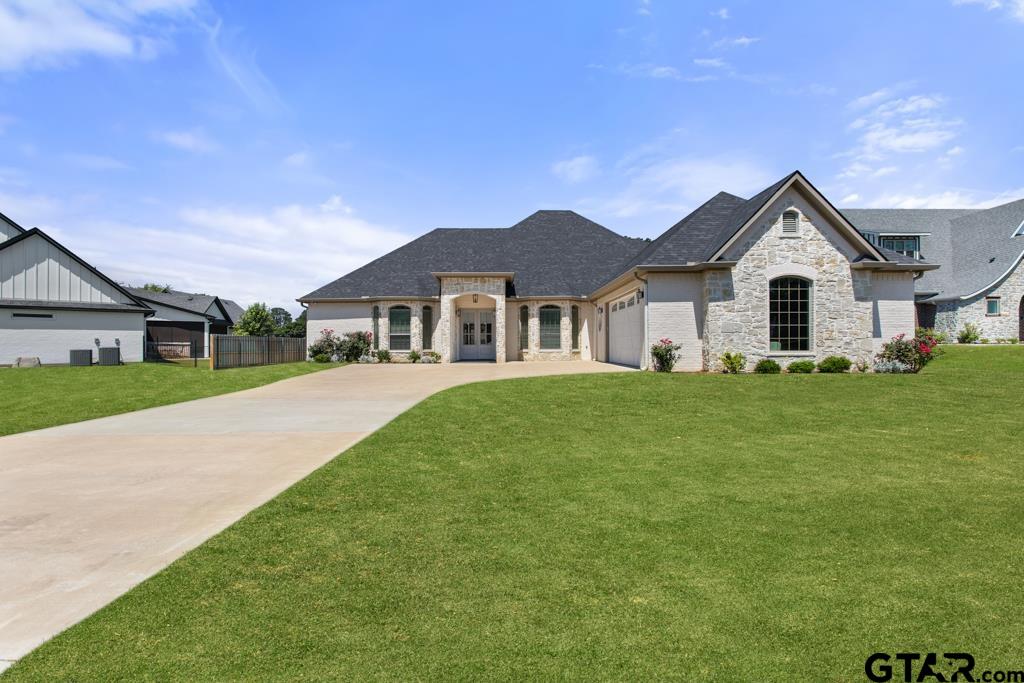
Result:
x=499 y=329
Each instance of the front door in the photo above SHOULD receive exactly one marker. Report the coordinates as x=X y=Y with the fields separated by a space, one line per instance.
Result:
x=477 y=339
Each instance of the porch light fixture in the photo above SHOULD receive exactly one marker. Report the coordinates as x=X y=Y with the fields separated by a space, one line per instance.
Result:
x=476 y=298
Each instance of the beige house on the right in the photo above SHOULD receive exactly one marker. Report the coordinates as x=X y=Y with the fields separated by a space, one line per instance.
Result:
x=981 y=279
x=781 y=275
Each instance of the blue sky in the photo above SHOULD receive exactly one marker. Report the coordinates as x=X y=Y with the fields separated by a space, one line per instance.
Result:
x=257 y=150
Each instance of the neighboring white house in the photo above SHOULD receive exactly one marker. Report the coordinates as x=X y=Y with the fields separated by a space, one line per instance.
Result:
x=782 y=275
x=51 y=301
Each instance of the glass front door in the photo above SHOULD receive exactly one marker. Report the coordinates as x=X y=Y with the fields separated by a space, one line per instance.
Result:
x=477 y=338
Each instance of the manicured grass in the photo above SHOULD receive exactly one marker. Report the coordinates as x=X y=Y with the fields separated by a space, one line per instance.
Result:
x=633 y=526
x=43 y=397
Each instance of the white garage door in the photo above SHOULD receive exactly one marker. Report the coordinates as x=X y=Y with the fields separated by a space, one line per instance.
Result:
x=626 y=331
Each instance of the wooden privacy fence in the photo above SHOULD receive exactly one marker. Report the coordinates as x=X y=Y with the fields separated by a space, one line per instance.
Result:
x=229 y=351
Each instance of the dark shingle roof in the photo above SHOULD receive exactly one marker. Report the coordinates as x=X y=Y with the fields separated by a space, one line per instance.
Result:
x=233 y=310
x=552 y=253
x=974 y=247
x=194 y=303
x=71 y=305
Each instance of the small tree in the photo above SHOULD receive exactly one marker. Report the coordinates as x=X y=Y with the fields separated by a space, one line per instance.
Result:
x=255 y=322
x=154 y=287
x=281 y=316
x=296 y=328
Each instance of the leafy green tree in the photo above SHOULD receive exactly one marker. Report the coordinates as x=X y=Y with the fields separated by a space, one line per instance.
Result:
x=296 y=328
x=281 y=316
x=256 y=322
x=154 y=287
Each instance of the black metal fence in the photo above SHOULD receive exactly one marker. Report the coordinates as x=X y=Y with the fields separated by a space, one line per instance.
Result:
x=229 y=351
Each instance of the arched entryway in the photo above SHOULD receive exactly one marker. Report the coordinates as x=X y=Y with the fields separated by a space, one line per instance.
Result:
x=476 y=328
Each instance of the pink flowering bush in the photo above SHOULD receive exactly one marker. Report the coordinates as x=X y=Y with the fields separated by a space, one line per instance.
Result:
x=664 y=355
x=913 y=353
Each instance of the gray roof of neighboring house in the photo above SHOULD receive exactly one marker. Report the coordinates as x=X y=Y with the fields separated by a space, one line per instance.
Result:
x=974 y=247
x=233 y=310
x=552 y=253
x=187 y=301
x=71 y=305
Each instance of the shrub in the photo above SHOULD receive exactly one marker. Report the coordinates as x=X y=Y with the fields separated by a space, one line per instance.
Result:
x=929 y=332
x=383 y=356
x=354 y=346
x=325 y=345
x=256 y=321
x=834 y=364
x=969 y=335
x=321 y=358
x=414 y=356
x=1014 y=340
x=983 y=340
x=766 y=366
x=801 y=367
x=664 y=355
x=862 y=365
x=733 y=363
x=914 y=353
x=892 y=367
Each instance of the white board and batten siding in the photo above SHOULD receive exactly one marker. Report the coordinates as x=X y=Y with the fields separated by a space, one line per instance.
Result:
x=36 y=270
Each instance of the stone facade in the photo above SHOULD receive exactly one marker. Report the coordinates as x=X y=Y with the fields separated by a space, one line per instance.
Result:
x=416 y=325
x=534 y=352
x=451 y=289
x=952 y=316
x=736 y=301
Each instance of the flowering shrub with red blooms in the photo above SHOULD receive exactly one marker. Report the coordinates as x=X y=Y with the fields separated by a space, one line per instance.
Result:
x=914 y=353
x=664 y=355
x=325 y=347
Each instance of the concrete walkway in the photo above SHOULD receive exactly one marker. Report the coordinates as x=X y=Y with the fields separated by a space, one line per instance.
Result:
x=89 y=510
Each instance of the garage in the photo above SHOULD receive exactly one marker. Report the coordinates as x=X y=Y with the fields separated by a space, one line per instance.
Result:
x=626 y=330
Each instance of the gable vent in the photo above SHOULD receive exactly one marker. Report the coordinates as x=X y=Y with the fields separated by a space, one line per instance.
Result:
x=790 y=223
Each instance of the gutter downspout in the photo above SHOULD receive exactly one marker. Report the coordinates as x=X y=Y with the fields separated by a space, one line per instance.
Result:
x=645 y=353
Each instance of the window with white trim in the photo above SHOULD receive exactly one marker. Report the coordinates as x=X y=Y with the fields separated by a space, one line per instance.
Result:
x=399 y=328
x=908 y=245
x=550 y=328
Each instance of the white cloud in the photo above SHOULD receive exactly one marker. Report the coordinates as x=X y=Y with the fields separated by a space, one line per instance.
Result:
x=576 y=170
x=247 y=254
x=189 y=140
x=95 y=162
x=711 y=62
x=5 y=122
x=46 y=34
x=948 y=199
x=954 y=151
x=297 y=159
x=721 y=13
x=645 y=8
x=1015 y=8
x=678 y=184
x=227 y=51
x=739 y=41
x=850 y=199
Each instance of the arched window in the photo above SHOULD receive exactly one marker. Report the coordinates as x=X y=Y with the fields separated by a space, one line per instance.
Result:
x=790 y=223
x=789 y=310
x=376 y=327
x=524 y=327
x=399 y=328
x=550 y=328
x=575 y=317
x=428 y=328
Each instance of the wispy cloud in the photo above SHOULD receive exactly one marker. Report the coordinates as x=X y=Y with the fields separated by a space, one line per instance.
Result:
x=721 y=13
x=947 y=199
x=297 y=159
x=711 y=62
x=194 y=140
x=1014 y=8
x=237 y=62
x=739 y=41
x=644 y=8
x=95 y=162
x=42 y=34
x=576 y=170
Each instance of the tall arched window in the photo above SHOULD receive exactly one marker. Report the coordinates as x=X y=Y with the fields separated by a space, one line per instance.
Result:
x=524 y=327
x=789 y=310
x=399 y=328
x=550 y=328
x=428 y=328
x=376 y=327
x=575 y=317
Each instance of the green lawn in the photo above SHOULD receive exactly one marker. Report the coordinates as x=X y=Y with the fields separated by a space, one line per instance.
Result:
x=633 y=526
x=43 y=397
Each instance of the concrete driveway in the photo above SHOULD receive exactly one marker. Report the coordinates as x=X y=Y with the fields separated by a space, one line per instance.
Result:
x=89 y=510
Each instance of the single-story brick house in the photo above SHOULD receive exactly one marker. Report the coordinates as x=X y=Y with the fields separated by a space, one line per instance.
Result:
x=782 y=275
x=981 y=279
x=52 y=301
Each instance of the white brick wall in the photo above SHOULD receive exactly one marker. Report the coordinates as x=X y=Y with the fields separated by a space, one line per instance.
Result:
x=675 y=310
